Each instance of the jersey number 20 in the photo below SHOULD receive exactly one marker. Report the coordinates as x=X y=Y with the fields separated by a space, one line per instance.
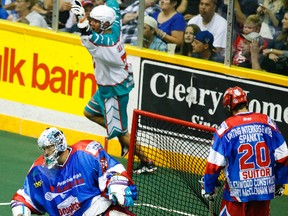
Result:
x=261 y=153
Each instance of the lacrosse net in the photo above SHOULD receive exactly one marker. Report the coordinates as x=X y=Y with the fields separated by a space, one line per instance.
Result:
x=179 y=150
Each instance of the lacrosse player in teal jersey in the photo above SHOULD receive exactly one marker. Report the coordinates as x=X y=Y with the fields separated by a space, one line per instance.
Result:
x=101 y=35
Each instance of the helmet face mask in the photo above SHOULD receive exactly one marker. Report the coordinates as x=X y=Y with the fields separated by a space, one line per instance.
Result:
x=52 y=137
x=52 y=159
x=232 y=97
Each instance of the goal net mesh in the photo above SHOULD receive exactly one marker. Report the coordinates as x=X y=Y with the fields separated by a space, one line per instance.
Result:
x=179 y=150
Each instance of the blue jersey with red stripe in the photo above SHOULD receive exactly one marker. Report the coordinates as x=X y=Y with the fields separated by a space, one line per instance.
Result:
x=253 y=153
x=69 y=189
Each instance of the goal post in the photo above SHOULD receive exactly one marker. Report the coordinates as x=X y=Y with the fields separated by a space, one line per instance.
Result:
x=179 y=150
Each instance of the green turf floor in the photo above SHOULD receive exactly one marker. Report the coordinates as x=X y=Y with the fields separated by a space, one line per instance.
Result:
x=17 y=154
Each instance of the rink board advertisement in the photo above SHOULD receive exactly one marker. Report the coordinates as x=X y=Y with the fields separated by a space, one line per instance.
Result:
x=196 y=96
x=47 y=71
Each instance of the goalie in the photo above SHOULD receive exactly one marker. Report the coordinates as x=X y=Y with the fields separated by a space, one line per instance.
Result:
x=78 y=180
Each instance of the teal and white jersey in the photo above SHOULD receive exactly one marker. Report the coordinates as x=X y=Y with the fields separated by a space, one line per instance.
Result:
x=113 y=73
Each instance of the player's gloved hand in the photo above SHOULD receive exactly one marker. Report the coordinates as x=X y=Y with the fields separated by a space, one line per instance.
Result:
x=279 y=190
x=119 y=191
x=208 y=196
x=79 y=12
x=84 y=27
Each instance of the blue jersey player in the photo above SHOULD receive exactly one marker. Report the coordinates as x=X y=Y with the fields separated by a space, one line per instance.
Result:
x=101 y=35
x=80 y=180
x=253 y=154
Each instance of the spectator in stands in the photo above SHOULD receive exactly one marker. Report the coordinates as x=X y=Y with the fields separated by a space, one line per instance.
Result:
x=209 y=20
x=150 y=40
x=241 y=50
x=66 y=18
x=130 y=19
x=202 y=47
x=98 y=2
x=271 y=15
x=24 y=9
x=13 y=15
x=242 y=9
x=9 y=6
x=192 y=9
x=252 y=51
x=3 y=13
x=125 y=3
x=25 y=21
x=102 y=2
x=182 y=6
x=171 y=24
x=189 y=34
x=39 y=7
x=285 y=6
x=276 y=58
x=88 y=6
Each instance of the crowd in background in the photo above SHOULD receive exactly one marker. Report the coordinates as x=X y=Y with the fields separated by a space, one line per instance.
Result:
x=197 y=27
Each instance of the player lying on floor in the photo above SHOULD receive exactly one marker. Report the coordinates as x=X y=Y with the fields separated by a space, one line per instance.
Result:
x=82 y=179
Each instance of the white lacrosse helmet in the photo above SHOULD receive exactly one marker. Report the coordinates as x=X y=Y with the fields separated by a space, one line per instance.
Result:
x=52 y=137
x=103 y=14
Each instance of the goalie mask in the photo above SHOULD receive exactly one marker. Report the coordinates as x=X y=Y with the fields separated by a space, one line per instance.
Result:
x=54 y=139
x=105 y=15
x=232 y=97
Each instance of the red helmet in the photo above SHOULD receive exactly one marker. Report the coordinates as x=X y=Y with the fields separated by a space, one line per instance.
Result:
x=232 y=97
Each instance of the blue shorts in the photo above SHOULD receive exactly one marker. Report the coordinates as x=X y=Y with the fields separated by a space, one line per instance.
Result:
x=114 y=111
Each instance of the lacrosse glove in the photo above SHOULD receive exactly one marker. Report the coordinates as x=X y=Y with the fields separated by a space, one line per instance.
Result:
x=79 y=12
x=207 y=196
x=119 y=191
x=279 y=190
x=83 y=24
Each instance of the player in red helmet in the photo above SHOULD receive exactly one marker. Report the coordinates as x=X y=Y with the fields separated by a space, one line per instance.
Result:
x=233 y=97
x=253 y=154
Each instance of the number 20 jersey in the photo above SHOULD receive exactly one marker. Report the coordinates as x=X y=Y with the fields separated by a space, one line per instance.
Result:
x=254 y=156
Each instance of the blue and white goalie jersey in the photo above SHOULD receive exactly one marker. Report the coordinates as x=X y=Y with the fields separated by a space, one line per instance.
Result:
x=254 y=154
x=72 y=188
x=113 y=73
